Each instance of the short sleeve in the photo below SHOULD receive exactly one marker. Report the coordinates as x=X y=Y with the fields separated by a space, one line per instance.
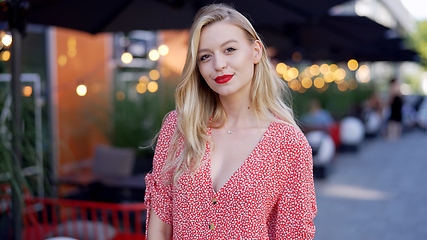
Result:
x=296 y=207
x=158 y=193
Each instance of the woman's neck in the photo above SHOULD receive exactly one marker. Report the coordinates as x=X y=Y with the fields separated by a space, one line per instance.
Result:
x=239 y=115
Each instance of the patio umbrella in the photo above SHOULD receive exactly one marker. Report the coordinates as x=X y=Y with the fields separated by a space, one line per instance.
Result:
x=340 y=38
x=393 y=50
x=96 y=16
x=287 y=25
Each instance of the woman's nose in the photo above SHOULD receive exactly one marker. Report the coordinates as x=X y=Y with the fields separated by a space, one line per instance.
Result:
x=219 y=63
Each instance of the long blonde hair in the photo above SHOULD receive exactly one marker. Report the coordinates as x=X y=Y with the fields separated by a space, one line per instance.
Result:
x=196 y=103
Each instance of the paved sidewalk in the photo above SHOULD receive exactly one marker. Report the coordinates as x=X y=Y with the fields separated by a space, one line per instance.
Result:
x=377 y=193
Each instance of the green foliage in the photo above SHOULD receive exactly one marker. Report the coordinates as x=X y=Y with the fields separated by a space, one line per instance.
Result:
x=418 y=41
x=138 y=117
x=338 y=103
x=10 y=169
x=10 y=173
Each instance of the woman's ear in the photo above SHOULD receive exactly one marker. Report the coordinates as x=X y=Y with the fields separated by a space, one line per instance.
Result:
x=257 y=47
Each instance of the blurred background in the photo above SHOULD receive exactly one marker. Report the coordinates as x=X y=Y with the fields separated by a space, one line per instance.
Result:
x=84 y=86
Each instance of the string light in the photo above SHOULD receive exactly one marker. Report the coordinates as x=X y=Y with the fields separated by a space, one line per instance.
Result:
x=6 y=40
x=163 y=50
x=152 y=87
x=5 y=56
x=319 y=82
x=154 y=55
x=314 y=69
x=126 y=57
x=154 y=74
x=306 y=82
x=81 y=90
x=62 y=60
x=363 y=74
x=141 y=87
x=120 y=96
x=281 y=68
x=27 y=91
x=352 y=64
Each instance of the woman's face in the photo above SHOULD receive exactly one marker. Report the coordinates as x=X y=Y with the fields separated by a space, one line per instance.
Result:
x=226 y=58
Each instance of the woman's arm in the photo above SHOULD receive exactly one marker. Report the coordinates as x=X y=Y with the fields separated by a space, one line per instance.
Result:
x=296 y=207
x=157 y=229
x=158 y=198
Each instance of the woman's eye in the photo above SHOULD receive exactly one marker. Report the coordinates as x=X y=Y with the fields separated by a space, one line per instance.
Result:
x=230 y=49
x=204 y=57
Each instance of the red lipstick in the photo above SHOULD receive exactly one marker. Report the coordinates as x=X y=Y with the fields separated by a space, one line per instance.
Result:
x=223 y=78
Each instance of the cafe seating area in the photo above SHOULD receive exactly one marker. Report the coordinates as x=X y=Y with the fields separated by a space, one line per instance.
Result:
x=110 y=176
x=57 y=218
x=103 y=199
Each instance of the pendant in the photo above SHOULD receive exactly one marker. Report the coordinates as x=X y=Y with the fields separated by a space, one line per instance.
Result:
x=230 y=131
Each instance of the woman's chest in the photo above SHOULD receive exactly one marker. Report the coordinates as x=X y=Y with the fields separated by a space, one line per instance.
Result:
x=258 y=182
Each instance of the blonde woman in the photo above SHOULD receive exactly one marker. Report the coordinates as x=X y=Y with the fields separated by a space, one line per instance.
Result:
x=230 y=161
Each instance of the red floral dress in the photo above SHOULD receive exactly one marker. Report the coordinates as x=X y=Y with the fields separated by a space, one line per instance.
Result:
x=270 y=196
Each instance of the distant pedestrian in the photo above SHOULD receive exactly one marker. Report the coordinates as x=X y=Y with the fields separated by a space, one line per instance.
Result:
x=395 y=104
x=317 y=118
x=373 y=115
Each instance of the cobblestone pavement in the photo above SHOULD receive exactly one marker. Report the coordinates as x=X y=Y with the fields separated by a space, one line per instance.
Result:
x=376 y=193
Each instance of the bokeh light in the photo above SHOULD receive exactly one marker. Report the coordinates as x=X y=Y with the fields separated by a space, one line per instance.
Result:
x=6 y=40
x=339 y=74
x=352 y=84
x=152 y=87
x=141 y=87
x=296 y=56
x=352 y=64
x=319 y=82
x=27 y=91
x=154 y=55
x=324 y=68
x=72 y=46
x=154 y=74
x=343 y=86
x=363 y=74
x=81 y=90
x=144 y=79
x=126 y=57
x=306 y=82
x=163 y=50
x=295 y=84
x=120 y=95
x=314 y=70
x=281 y=68
x=333 y=67
x=293 y=72
x=5 y=56
x=329 y=77
x=62 y=60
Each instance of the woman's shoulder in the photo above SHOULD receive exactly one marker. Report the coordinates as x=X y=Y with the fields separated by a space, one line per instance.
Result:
x=169 y=124
x=289 y=143
x=171 y=117
x=285 y=127
x=287 y=132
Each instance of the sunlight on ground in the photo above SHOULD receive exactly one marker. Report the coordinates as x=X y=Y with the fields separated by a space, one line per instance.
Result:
x=353 y=192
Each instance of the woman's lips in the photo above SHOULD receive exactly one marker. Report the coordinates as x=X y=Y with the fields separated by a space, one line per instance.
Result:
x=223 y=78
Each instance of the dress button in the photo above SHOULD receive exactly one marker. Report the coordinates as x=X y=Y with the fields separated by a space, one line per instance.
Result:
x=211 y=226
x=214 y=200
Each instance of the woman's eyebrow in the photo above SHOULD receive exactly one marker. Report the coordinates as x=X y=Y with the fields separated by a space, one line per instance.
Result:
x=222 y=45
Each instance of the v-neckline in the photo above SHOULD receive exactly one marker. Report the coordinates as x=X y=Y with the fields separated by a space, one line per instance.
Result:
x=238 y=170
